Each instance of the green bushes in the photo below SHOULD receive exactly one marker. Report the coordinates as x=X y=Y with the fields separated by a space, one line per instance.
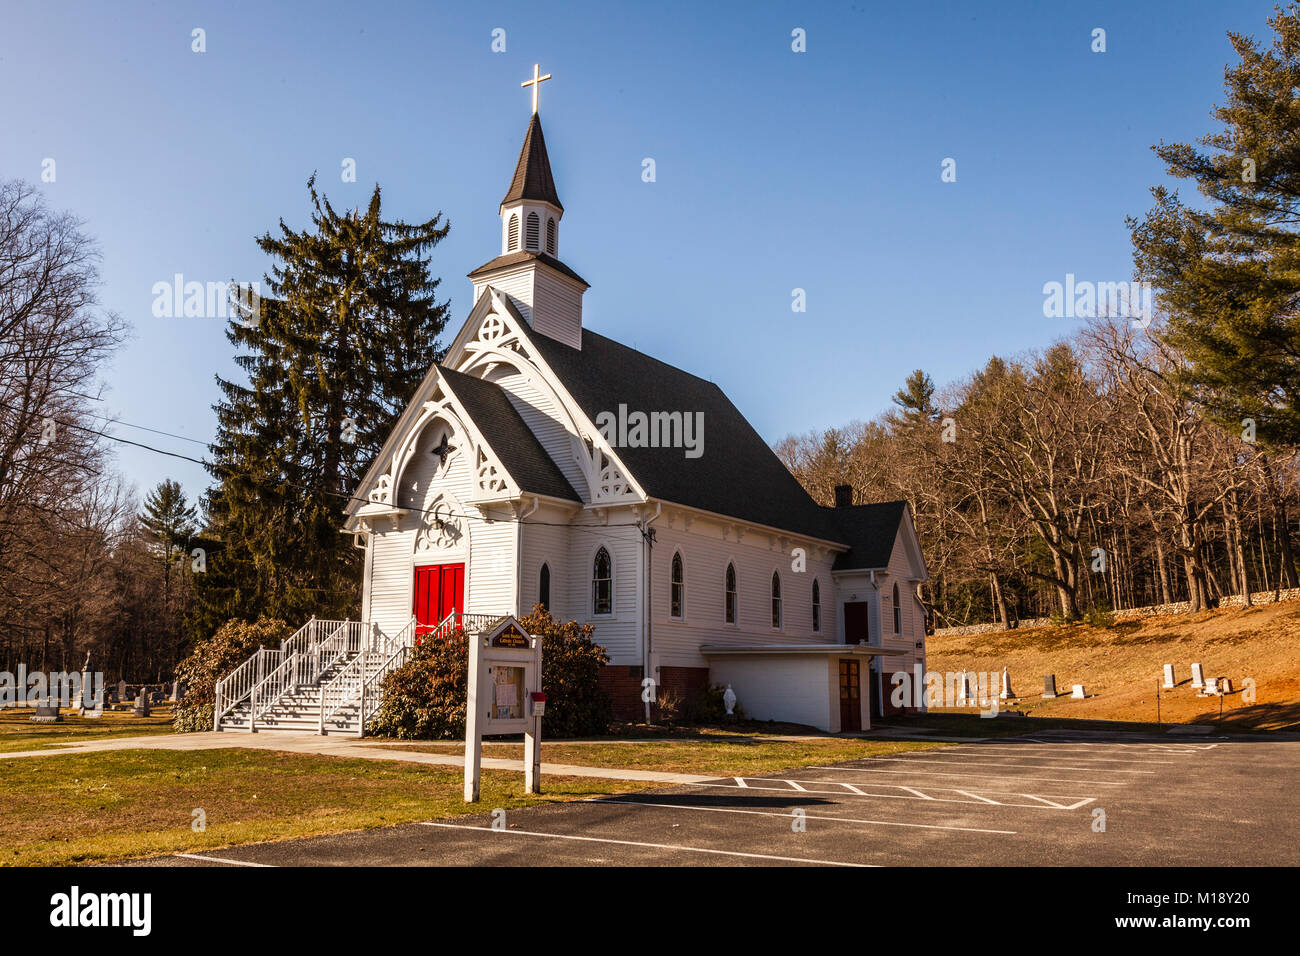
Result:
x=214 y=658
x=425 y=697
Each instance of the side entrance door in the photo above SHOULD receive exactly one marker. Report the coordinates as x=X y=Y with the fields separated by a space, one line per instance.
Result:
x=439 y=590
x=850 y=696
x=856 y=627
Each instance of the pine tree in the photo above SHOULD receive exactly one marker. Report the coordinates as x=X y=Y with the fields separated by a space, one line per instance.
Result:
x=1228 y=275
x=332 y=355
x=169 y=522
x=916 y=399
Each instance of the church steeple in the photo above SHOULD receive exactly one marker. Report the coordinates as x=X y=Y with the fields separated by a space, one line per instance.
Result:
x=531 y=211
x=547 y=292
x=533 y=179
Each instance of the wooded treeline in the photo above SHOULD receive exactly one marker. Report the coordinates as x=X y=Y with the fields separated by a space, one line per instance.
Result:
x=1080 y=478
x=79 y=567
x=1150 y=458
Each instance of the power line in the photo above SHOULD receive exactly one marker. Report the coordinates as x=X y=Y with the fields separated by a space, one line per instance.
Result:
x=307 y=488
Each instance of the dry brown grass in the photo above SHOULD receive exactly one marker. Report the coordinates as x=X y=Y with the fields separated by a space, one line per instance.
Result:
x=1121 y=665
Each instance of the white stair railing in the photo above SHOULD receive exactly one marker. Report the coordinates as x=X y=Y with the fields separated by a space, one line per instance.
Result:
x=274 y=686
x=349 y=684
x=238 y=685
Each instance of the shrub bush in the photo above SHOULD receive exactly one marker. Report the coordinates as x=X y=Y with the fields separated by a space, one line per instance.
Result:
x=425 y=697
x=214 y=658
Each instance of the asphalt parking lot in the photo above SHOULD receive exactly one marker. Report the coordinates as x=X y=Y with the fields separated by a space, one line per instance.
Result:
x=1053 y=798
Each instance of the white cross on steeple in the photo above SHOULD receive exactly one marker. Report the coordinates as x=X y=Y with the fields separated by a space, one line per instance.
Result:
x=535 y=83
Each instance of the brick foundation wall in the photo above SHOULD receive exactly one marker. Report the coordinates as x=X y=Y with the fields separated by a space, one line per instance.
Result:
x=623 y=684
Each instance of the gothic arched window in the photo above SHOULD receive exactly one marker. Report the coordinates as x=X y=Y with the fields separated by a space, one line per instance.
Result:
x=776 y=599
x=677 y=589
x=512 y=233
x=817 y=605
x=544 y=587
x=532 y=227
x=550 y=235
x=731 y=594
x=602 y=583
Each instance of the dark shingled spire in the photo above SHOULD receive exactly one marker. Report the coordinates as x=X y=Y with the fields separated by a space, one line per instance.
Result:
x=533 y=178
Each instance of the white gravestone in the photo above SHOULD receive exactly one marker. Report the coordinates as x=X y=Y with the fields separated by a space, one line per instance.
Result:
x=1078 y=693
x=1169 y=677
x=1007 y=693
x=1198 y=676
x=1225 y=685
x=1211 y=686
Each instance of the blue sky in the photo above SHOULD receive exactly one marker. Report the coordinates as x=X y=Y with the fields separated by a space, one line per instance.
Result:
x=776 y=170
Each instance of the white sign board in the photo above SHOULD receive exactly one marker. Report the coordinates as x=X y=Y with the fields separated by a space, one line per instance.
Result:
x=505 y=684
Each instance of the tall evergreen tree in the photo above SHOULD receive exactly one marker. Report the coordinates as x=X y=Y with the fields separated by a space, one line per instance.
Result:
x=337 y=348
x=1228 y=274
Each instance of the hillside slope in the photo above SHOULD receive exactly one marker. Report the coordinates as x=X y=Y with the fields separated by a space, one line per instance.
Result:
x=1122 y=665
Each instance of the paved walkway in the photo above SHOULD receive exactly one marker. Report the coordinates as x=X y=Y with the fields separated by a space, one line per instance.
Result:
x=340 y=747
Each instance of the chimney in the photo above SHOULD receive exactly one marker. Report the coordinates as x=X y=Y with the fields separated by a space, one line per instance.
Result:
x=843 y=496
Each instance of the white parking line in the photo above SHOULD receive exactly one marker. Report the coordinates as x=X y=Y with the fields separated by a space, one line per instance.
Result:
x=809 y=816
x=1003 y=755
x=990 y=763
x=912 y=793
x=221 y=859
x=995 y=776
x=652 y=846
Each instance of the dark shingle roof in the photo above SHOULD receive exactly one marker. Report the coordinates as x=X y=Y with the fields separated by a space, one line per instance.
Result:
x=533 y=179
x=508 y=435
x=737 y=475
x=869 y=530
x=525 y=255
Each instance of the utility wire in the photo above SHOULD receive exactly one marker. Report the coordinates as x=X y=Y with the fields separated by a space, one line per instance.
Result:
x=301 y=487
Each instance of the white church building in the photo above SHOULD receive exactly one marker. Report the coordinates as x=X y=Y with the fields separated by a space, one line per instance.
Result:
x=542 y=462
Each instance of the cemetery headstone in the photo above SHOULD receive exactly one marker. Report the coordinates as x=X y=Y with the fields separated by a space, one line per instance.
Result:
x=96 y=709
x=1169 y=676
x=1225 y=685
x=47 y=713
x=1007 y=693
x=1211 y=686
x=964 y=692
x=1078 y=693
x=121 y=690
x=1049 y=686
x=1198 y=676
x=142 y=705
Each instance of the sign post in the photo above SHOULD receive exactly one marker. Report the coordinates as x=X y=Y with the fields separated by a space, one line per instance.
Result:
x=505 y=697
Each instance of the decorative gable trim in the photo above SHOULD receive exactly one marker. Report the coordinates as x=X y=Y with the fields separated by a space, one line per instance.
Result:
x=496 y=337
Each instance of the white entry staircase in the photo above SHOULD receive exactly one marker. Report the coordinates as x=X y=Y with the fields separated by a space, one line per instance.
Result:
x=325 y=679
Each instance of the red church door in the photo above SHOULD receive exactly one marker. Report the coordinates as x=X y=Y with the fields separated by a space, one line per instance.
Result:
x=439 y=590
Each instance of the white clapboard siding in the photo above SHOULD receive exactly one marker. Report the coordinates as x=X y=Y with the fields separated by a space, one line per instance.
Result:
x=705 y=556
x=539 y=412
x=901 y=571
x=518 y=285
x=557 y=308
x=618 y=633
x=547 y=541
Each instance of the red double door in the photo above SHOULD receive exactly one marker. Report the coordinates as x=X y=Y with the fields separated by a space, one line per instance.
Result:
x=439 y=590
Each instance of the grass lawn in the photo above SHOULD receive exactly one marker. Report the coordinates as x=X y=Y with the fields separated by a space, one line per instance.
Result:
x=17 y=732
x=81 y=808
x=722 y=754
